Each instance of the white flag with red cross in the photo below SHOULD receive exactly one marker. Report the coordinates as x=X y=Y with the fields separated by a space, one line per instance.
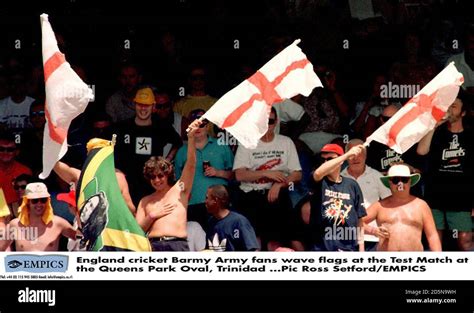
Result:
x=67 y=96
x=421 y=113
x=244 y=110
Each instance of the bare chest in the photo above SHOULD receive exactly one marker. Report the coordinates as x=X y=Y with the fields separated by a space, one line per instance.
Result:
x=47 y=239
x=408 y=215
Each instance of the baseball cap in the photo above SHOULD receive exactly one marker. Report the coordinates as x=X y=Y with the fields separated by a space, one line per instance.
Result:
x=145 y=96
x=36 y=191
x=332 y=147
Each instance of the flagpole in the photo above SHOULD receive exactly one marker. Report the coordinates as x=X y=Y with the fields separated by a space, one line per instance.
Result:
x=199 y=119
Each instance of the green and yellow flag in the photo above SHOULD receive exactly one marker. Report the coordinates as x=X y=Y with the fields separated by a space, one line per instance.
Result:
x=106 y=222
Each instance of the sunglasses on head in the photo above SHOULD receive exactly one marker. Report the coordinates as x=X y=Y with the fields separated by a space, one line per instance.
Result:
x=7 y=149
x=42 y=200
x=396 y=180
x=37 y=113
x=271 y=121
x=16 y=187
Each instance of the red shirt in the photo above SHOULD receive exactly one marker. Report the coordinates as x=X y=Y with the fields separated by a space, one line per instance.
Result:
x=6 y=180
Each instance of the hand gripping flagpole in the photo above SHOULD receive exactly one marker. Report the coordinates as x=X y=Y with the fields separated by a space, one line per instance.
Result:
x=199 y=119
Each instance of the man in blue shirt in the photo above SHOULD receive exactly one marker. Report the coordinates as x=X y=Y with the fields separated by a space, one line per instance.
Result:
x=337 y=204
x=214 y=163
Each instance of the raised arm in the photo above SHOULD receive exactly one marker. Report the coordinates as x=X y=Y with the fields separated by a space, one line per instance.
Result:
x=331 y=165
x=122 y=181
x=187 y=177
x=424 y=144
x=67 y=173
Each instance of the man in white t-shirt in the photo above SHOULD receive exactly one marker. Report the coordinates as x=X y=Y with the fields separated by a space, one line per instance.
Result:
x=266 y=174
x=15 y=109
x=369 y=181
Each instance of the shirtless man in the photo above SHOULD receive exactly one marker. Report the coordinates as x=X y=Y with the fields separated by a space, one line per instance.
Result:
x=71 y=175
x=401 y=217
x=163 y=213
x=37 y=228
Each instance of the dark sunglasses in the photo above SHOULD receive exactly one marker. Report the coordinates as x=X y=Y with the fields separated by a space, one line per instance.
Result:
x=42 y=200
x=204 y=124
x=271 y=121
x=16 y=187
x=396 y=180
x=385 y=118
x=153 y=176
x=327 y=159
x=7 y=149
x=37 y=113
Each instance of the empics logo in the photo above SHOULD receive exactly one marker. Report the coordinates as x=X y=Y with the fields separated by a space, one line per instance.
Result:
x=28 y=295
x=14 y=264
x=36 y=263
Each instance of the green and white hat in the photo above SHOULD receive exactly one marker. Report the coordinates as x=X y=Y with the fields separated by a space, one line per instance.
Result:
x=400 y=170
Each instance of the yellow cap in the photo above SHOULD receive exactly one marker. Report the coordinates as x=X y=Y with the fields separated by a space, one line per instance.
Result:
x=145 y=96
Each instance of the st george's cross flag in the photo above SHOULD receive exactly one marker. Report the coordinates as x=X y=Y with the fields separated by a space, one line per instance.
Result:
x=67 y=96
x=244 y=110
x=421 y=113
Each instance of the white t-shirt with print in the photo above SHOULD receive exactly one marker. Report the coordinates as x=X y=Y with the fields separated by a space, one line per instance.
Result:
x=278 y=155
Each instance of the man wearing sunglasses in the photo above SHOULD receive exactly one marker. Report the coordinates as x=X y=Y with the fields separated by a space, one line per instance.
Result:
x=19 y=185
x=401 y=217
x=163 y=214
x=36 y=221
x=9 y=166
